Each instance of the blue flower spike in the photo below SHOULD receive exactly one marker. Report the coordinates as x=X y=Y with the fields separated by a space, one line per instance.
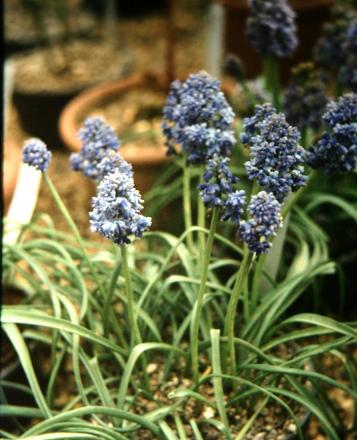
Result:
x=197 y=118
x=271 y=28
x=263 y=222
x=336 y=151
x=36 y=154
x=98 y=140
x=276 y=158
x=117 y=208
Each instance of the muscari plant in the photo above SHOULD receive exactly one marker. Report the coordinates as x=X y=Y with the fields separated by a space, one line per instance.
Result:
x=148 y=327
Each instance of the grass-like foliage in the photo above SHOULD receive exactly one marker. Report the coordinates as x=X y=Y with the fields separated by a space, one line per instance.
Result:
x=195 y=331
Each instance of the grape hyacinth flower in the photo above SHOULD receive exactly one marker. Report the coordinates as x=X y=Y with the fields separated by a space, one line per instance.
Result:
x=36 y=154
x=336 y=151
x=98 y=139
x=348 y=70
x=305 y=99
x=263 y=223
x=328 y=52
x=276 y=158
x=271 y=28
x=117 y=209
x=197 y=118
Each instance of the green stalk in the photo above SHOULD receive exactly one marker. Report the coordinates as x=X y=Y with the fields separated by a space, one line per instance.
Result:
x=194 y=329
x=272 y=83
x=201 y=217
x=304 y=137
x=247 y=91
x=187 y=209
x=67 y=216
x=133 y=325
x=232 y=306
x=217 y=380
x=108 y=302
x=259 y=264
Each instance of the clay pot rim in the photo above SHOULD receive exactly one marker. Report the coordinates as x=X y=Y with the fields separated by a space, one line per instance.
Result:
x=69 y=120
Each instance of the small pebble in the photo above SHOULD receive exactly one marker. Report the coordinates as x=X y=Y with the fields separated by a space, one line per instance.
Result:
x=291 y=427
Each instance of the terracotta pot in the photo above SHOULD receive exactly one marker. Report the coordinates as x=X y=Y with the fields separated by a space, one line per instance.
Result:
x=147 y=162
x=11 y=162
x=311 y=15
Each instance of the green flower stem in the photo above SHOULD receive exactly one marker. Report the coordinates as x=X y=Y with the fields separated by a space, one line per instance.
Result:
x=271 y=73
x=201 y=221
x=194 y=329
x=133 y=325
x=232 y=306
x=67 y=216
x=259 y=264
x=187 y=209
x=108 y=302
x=304 y=137
x=247 y=91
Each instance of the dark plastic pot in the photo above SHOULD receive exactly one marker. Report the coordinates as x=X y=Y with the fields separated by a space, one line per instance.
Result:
x=39 y=113
x=311 y=15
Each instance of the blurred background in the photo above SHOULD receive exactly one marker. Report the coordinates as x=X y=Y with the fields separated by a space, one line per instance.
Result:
x=68 y=59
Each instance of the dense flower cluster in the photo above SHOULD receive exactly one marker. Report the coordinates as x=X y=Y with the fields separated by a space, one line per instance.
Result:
x=36 y=154
x=98 y=139
x=336 y=151
x=276 y=158
x=219 y=182
x=271 y=28
x=117 y=209
x=197 y=117
x=348 y=71
x=305 y=99
x=263 y=223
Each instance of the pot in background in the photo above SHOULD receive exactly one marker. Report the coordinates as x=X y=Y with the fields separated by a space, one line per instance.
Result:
x=148 y=161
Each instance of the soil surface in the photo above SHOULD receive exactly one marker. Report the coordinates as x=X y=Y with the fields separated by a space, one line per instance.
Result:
x=72 y=66
x=21 y=27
